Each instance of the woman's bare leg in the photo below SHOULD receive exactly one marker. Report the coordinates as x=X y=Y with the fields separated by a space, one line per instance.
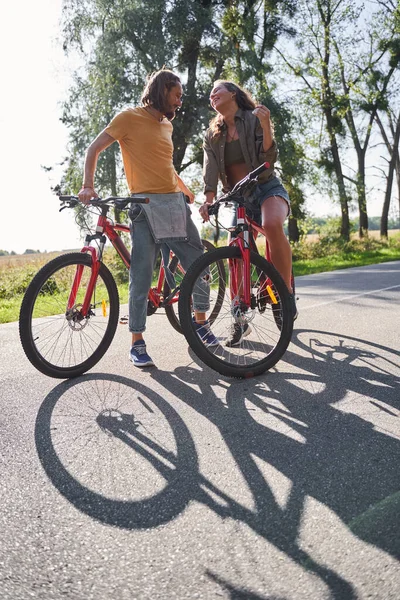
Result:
x=274 y=211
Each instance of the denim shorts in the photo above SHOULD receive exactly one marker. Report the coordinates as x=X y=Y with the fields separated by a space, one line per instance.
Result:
x=260 y=193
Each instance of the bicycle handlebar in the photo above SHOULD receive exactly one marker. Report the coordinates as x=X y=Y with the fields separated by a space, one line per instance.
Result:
x=239 y=188
x=119 y=202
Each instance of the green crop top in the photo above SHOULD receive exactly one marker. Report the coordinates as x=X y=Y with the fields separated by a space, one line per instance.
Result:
x=233 y=153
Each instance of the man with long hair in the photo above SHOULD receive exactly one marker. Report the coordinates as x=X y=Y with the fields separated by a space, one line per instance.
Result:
x=144 y=134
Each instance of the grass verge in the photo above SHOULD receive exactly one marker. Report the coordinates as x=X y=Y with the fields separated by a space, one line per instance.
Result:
x=326 y=254
x=343 y=261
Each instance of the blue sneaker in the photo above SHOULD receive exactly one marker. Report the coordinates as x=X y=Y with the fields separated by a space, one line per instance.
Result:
x=205 y=334
x=139 y=356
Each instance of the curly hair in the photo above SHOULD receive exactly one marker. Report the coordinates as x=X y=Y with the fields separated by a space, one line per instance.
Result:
x=158 y=84
x=243 y=100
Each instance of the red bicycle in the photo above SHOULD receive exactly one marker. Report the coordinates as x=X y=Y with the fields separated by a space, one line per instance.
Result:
x=70 y=310
x=256 y=307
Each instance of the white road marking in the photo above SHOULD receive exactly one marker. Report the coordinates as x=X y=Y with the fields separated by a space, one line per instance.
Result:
x=342 y=298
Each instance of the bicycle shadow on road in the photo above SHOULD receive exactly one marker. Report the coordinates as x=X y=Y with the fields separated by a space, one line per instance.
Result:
x=331 y=428
x=111 y=419
x=327 y=426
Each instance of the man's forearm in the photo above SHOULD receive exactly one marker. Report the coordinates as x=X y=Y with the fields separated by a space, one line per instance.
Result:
x=90 y=167
x=102 y=142
x=182 y=186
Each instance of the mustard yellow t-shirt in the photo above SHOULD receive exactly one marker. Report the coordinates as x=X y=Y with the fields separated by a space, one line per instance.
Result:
x=146 y=147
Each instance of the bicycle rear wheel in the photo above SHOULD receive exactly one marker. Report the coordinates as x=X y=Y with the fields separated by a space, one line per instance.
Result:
x=59 y=342
x=171 y=309
x=264 y=343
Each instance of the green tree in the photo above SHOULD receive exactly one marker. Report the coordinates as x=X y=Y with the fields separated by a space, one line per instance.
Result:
x=384 y=85
x=252 y=30
x=128 y=41
x=318 y=24
x=367 y=76
x=334 y=38
x=123 y=41
x=94 y=98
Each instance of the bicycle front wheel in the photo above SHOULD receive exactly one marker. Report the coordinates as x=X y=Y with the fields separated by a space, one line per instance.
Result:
x=58 y=340
x=171 y=309
x=248 y=339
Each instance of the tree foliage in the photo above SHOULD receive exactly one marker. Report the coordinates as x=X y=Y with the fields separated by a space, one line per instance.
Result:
x=341 y=92
x=203 y=40
x=344 y=60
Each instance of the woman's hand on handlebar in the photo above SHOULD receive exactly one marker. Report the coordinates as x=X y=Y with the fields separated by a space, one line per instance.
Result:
x=86 y=194
x=203 y=210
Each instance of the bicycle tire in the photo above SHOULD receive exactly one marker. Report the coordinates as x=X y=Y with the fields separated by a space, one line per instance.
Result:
x=250 y=357
x=277 y=312
x=51 y=339
x=170 y=311
x=169 y=308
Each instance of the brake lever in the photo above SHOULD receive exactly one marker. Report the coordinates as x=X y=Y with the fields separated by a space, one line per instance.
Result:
x=213 y=209
x=251 y=184
x=69 y=204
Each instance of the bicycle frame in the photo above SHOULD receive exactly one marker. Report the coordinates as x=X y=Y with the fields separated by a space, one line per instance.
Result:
x=246 y=243
x=105 y=229
x=243 y=242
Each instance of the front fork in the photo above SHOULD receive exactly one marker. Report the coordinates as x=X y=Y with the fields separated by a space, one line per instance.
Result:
x=95 y=268
x=240 y=269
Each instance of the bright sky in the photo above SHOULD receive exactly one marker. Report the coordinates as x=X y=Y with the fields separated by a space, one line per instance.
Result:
x=34 y=77
x=34 y=82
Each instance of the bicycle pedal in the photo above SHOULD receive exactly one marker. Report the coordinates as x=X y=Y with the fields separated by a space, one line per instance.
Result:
x=124 y=320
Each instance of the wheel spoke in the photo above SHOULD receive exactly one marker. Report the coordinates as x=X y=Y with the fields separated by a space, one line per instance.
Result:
x=62 y=342
x=251 y=338
x=219 y=284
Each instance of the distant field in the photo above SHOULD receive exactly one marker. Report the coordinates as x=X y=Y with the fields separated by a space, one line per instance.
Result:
x=375 y=234
x=16 y=272
x=38 y=259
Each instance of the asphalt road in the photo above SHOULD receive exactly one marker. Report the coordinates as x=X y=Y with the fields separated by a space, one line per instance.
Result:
x=178 y=483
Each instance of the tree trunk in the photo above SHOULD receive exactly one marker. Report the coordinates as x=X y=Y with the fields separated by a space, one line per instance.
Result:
x=293 y=229
x=362 y=201
x=398 y=182
x=344 y=204
x=190 y=111
x=113 y=184
x=216 y=233
x=327 y=106
x=389 y=184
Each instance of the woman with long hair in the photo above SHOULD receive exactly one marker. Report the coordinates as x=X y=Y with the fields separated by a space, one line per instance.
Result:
x=239 y=139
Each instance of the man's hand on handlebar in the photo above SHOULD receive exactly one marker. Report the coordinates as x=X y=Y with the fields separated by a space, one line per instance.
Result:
x=86 y=194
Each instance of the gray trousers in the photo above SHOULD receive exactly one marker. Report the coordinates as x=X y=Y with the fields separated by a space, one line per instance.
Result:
x=143 y=256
